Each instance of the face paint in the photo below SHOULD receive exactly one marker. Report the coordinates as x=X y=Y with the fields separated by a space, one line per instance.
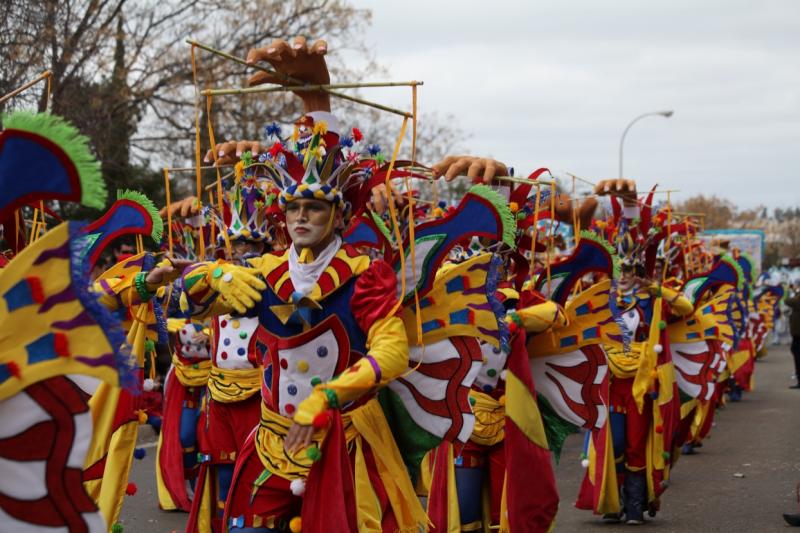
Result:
x=308 y=222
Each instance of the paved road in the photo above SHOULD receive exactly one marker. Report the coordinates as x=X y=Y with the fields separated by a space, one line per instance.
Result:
x=758 y=437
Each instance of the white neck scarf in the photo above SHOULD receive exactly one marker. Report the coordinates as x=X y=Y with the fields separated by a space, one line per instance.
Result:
x=305 y=275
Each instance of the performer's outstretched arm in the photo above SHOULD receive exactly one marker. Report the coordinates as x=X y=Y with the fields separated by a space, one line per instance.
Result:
x=119 y=292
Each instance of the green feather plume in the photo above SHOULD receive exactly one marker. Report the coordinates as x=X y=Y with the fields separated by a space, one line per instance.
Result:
x=506 y=216
x=586 y=234
x=749 y=259
x=144 y=201
x=73 y=143
x=381 y=225
x=737 y=267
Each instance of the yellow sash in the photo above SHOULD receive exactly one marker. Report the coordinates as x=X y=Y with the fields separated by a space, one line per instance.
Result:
x=489 y=419
x=191 y=375
x=233 y=385
x=367 y=424
x=622 y=364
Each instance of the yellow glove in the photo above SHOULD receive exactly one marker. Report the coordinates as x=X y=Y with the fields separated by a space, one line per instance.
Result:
x=239 y=286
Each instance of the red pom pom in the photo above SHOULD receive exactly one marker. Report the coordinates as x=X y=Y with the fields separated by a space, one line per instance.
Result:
x=13 y=368
x=61 y=344
x=275 y=149
x=659 y=428
x=357 y=135
x=322 y=420
x=131 y=489
x=35 y=286
x=512 y=327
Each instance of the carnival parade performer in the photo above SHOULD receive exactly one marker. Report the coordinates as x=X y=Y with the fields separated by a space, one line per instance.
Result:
x=231 y=406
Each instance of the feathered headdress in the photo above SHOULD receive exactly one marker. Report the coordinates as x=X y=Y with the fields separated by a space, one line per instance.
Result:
x=247 y=204
x=317 y=165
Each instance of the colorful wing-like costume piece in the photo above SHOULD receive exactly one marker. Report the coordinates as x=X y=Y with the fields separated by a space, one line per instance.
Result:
x=592 y=254
x=370 y=231
x=568 y=363
x=42 y=157
x=132 y=213
x=50 y=323
x=481 y=213
x=51 y=326
x=726 y=271
x=457 y=307
x=570 y=368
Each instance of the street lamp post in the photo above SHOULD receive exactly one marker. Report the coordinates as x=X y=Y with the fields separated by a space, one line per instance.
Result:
x=665 y=114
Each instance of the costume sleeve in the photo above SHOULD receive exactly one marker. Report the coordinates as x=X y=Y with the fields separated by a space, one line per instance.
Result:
x=373 y=300
x=116 y=293
x=678 y=303
x=539 y=317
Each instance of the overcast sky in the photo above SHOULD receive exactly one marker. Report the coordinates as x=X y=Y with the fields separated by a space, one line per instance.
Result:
x=555 y=83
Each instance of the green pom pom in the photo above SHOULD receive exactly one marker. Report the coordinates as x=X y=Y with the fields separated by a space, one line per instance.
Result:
x=662 y=324
x=314 y=454
x=117 y=528
x=217 y=273
x=583 y=456
x=315 y=381
x=471 y=400
x=665 y=455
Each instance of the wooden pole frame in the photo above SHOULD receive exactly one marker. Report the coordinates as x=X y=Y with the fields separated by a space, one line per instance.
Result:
x=297 y=81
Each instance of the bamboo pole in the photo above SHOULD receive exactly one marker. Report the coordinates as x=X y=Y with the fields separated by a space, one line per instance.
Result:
x=295 y=80
x=193 y=169
x=44 y=75
x=308 y=87
x=511 y=179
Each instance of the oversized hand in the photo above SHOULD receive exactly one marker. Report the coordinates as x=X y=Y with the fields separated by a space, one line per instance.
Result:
x=239 y=286
x=625 y=189
x=478 y=169
x=298 y=61
x=230 y=152
x=185 y=208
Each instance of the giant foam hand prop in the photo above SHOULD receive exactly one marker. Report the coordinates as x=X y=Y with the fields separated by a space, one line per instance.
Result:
x=624 y=189
x=299 y=61
x=477 y=169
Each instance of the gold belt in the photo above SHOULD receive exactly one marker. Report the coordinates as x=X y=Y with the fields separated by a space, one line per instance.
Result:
x=233 y=385
x=191 y=374
x=624 y=364
x=489 y=419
